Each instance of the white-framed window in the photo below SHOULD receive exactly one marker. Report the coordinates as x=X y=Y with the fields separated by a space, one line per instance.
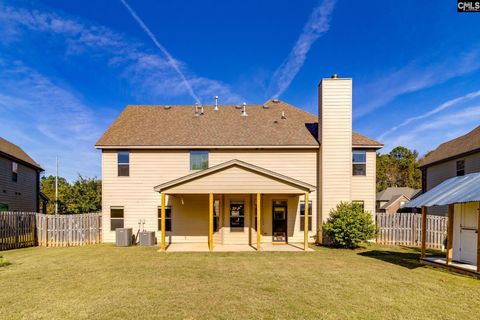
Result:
x=198 y=159
x=302 y=215
x=460 y=167
x=14 y=171
x=361 y=203
x=123 y=162
x=359 y=163
x=116 y=218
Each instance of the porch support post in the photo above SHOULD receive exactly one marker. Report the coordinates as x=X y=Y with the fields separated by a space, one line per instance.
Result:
x=259 y=223
x=424 y=232
x=451 y=210
x=162 y=223
x=305 y=225
x=210 y=222
x=478 y=239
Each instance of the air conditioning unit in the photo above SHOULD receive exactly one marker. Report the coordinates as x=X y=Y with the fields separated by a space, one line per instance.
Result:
x=123 y=237
x=147 y=238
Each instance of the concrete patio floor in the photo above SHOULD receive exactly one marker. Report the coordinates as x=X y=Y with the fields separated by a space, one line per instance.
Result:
x=203 y=247
x=465 y=268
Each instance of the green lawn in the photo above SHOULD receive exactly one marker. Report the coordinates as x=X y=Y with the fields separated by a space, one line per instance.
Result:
x=105 y=282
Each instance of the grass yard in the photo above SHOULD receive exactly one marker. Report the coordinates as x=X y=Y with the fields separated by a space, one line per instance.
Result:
x=105 y=282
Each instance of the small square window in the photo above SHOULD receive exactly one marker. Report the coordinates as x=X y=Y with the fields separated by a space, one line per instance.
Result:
x=360 y=203
x=14 y=171
x=116 y=218
x=460 y=167
x=198 y=159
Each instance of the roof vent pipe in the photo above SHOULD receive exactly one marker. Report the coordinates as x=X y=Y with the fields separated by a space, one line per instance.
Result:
x=196 y=109
x=335 y=76
x=216 y=104
x=244 y=111
x=283 y=115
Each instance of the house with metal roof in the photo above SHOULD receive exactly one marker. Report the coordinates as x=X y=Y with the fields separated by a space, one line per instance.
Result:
x=451 y=183
x=453 y=158
x=248 y=175
x=19 y=179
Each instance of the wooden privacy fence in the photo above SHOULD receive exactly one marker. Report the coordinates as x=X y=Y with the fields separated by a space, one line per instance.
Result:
x=69 y=229
x=406 y=229
x=27 y=229
x=17 y=230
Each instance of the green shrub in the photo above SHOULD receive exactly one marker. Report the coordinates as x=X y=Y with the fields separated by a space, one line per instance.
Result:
x=3 y=262
x=348 y=226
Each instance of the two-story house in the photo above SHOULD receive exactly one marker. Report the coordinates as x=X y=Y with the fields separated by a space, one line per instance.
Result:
x=453 y=158
x=19 y=179
x=235 y=174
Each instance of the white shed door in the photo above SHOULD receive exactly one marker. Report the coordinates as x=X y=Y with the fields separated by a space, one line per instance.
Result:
x=468 y=233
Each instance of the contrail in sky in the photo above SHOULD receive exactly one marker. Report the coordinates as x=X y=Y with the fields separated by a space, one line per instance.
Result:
x=438 y=109
x=170 y=59
x=317 y=24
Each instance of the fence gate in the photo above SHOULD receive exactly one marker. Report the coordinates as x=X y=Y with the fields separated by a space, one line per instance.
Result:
x=406 y=229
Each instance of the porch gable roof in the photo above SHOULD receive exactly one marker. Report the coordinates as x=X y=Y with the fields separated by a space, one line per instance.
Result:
x=235 y=163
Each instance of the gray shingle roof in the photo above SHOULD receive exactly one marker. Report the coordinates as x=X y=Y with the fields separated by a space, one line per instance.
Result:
x=179 y=126
x=463 y=144
x=16 y=152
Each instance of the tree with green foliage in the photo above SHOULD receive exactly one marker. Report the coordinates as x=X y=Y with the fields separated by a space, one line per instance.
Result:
x=85 y=195
x=349 y=225
x=82 y=196
x=399 y=168
x=47 y=186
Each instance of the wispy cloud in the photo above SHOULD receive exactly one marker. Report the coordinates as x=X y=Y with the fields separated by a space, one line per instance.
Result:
x=415 y=76
x=318 y=24
x=172 y=62
x=171 y=78
x=427 y=135
x=440 y=108
x=50 y=119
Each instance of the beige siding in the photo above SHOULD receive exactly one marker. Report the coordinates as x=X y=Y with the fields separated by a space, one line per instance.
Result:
x=149 y=168
x=233 y=180
x=20 y=195
x=335 y=110
x=363 y=187
x=438 y=173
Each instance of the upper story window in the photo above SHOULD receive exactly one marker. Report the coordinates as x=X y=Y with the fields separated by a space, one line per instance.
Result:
x=359 y=163
x=123 y=162
x=14 y=171
x=198 y=159
x=460 y=167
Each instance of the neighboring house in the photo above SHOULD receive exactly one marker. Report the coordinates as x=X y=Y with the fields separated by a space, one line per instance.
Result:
x=223 y=172
x=453 y=158
x=392 y=198
x=19 y=179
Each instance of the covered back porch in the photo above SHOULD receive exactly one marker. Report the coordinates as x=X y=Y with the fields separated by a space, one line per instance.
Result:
x=235 y=206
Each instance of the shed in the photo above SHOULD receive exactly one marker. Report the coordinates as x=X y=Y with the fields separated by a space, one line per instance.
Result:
x=462 y=195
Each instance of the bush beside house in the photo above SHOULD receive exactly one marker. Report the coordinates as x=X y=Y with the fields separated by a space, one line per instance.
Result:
x=348 y=226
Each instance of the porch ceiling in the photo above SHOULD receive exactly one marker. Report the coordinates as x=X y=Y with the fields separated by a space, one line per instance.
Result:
x=235 y=176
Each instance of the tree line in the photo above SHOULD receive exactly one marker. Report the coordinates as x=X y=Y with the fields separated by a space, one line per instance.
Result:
x=398 y=168
x=84 y=195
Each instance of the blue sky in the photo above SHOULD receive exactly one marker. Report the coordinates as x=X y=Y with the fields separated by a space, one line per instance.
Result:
x=68 y=68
